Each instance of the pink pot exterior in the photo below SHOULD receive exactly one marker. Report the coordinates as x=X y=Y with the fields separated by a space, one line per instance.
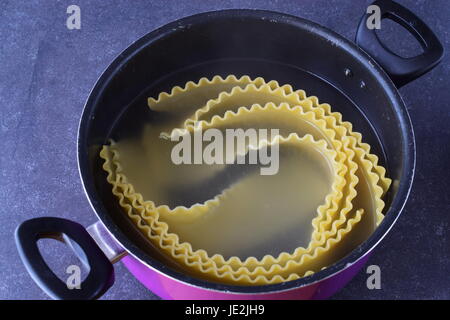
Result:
x=171 y=289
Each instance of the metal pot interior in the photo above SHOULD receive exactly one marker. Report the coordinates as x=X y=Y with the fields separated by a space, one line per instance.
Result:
x=243 y=42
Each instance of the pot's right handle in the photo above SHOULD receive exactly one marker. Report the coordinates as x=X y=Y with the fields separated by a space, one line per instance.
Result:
x=401 y=70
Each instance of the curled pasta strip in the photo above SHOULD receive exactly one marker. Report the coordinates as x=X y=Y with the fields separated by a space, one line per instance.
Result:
x=337 y=223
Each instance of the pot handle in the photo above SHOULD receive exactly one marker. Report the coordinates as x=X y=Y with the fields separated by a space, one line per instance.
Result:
x=401 y=70
x=101 y=272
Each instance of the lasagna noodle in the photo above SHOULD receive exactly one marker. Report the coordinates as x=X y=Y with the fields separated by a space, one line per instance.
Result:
x=197 y=235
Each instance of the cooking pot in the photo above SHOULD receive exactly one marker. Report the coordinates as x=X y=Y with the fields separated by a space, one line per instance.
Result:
x=359 y=80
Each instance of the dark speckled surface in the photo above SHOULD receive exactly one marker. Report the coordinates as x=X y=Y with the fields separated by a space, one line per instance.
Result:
x=47 y=72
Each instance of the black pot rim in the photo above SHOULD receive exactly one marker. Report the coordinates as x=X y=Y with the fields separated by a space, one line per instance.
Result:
x=358 y=253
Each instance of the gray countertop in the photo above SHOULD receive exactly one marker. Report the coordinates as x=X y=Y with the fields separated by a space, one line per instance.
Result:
x=47 y=72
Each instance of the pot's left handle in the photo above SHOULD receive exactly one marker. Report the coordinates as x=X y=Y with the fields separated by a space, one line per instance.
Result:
x=101 y=271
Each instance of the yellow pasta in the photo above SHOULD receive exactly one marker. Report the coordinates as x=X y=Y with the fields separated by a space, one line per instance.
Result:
x=224 y=238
